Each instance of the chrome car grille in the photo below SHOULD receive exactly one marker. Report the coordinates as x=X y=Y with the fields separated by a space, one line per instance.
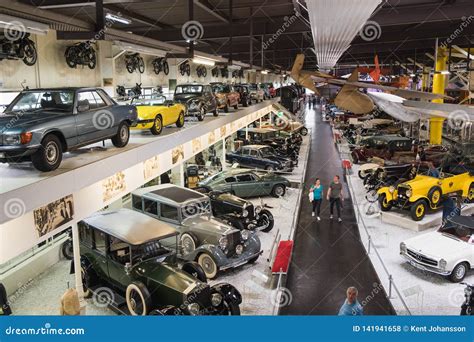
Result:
x=251 y=211
x=421 y=258
x=233 y=240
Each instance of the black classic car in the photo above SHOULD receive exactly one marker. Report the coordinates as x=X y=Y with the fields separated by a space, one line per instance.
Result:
x=41 y=124
x=132 y=254
x=198 y=98
x=244 y=91
x=259 y=157
x=240 y=213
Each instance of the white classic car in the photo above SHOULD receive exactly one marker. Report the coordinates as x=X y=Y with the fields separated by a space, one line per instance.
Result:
x=449 y=251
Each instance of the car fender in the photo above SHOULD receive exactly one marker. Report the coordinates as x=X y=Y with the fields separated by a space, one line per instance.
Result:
x=228 y=292
x=253 y=244
x=416 y=197
x=385 y=190
x=466 y=185
x=217 y=253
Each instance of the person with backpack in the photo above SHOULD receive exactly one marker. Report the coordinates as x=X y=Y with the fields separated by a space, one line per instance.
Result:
x=316 y=197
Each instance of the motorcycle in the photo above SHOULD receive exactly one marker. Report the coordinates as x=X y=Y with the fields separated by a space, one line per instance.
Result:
x=225 y=72
x=22 y=48
x=136 y=91
x=81 y=54
x=134 y=62
x=201 y=71
x=185 y=68
x=215 y=72
x=121 y=91
x=468 y=305
x=160 y=64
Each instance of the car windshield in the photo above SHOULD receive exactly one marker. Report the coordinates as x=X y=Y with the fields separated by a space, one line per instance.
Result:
x=267 y=151
x=188 y=89
x=217 y=88
x=197 y=207
x=29 y=102
x=458 y=231
x=253 y=87
x=150 y=102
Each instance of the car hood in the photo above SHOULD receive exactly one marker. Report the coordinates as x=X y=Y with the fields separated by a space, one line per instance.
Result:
x=17 y=119
x=183 y=98
x=276 y=157
x=421 y=181
x=229 y=198
x=436 y=244
x=209 y=224
x=273 y=177
x=165 y=274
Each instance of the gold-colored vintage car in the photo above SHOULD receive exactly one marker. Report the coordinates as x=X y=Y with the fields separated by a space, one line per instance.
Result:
x=425 y=192
x=158 y=112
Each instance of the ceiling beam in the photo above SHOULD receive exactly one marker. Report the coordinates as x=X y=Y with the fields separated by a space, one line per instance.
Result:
x=206 y=6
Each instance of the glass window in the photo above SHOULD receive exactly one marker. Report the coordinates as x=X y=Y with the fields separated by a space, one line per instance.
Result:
x=169 y=212
x=244 y=178
x=230 y=180
x=86 y=98
x=54 y=101
x=150 y=206
x=137 y=202
x=100 y=241
x=119 y=250
x=100 y=102
x=85 y=234
x=254 y=153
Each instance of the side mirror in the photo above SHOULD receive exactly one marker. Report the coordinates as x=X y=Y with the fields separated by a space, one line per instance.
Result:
x=127 y=267
x=83 y=108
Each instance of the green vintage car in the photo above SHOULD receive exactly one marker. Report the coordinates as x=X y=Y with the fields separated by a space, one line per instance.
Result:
x=129 y=254
x=246 y=183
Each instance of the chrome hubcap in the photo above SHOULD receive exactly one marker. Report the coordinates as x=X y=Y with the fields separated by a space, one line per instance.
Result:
x=460 y=272
x=279 y=191
x=51 y=152
x=124 y=133
x=208 y=265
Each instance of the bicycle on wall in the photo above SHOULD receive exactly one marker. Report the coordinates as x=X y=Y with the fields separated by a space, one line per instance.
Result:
x=134 y=62
x=201 y=71
x=81 y=54
x=20 y=48
x=160 y=64
x=185 y=68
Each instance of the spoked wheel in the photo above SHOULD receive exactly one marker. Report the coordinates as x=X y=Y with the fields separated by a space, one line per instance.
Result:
x=141 y=65
x=202 y=114
x=70 y=53
x=31 y=55
x=92 y=60
x=138 y=299
x=266 y=220
x=166 y=68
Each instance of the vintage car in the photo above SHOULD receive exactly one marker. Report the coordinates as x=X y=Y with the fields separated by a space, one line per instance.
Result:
x=240 y=213
x=226 y=96
x=244 y=92
x=215 y=245
x=42 y=124
x=259 y=157
x=256 y=93
x=449 y=251
x=381 y=146
x=156 y=113
x=286 y=146
x=198 y=99
x=425 y=192
x=266 y=90
x=271 y=89
x=246 y=183
x=134 y=255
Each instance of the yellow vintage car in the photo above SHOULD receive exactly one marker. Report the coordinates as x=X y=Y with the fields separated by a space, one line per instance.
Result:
x=425 y=192
x=157 y=112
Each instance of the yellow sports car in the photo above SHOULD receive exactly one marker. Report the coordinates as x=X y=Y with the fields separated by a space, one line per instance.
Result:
x=155 y=113
x=425 y=192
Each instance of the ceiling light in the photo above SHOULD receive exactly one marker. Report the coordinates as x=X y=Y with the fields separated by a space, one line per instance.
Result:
x=118 y=19
x=204 y=61
x=264 y=72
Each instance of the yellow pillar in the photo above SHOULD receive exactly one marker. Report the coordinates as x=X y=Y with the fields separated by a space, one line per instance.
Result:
x=439 y=81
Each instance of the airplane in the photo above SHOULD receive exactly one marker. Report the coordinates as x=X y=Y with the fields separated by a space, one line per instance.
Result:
x=394 y=101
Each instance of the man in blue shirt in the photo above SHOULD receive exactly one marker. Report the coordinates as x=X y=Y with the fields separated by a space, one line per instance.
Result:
x=351 y=306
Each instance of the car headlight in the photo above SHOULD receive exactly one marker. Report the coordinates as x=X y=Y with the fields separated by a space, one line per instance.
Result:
x=409 y=193
x=245 y=213
x=258 y=209
x=244 y=234
x=403 y=248
x=216 y=299
x=193 y=309
x=391 y=189
x=239 y=249
x=223 y=242
x=442 y=264
x=11 y=139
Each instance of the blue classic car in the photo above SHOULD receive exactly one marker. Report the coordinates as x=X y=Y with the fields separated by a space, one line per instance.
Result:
x=260 y=157
x=41 y=124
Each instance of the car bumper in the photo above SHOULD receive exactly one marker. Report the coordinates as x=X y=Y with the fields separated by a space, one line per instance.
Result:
x=143 y=124
x=423 y=267
x=251 y=250
x=16 y=153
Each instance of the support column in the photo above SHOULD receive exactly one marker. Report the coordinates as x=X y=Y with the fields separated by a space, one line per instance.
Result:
x=224 y=166
x=77 y=267
x=181 y=174
x=439 y=82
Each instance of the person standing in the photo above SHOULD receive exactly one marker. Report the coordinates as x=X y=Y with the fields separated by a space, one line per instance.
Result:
x=351 y=306
x=314 y=102
x=335 y=197
x=316 y=193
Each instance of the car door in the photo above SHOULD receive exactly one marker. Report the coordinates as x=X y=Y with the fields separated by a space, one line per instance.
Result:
x=93 y=117
x=118 y=256
x=100 y=249
x=255 y=160
x=243 y=187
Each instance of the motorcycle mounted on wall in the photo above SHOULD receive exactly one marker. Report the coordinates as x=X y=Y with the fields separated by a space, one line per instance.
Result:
x=160 y=64
x=81 y=54
x=18 y=46
x=225 y=72
x=134 y=62
x=185 y=68
x=201 y=71
x=238 y=73
x=215 y=72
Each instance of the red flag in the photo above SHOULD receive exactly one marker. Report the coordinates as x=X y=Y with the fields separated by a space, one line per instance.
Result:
x=375 y=74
